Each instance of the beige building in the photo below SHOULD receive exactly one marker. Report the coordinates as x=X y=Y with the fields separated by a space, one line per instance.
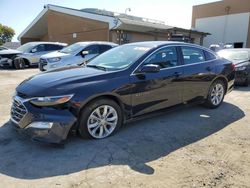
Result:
x=227 y=21
x=61 y=24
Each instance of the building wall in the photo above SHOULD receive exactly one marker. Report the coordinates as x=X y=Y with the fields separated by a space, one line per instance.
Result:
x=26 y=40
x=227 y=20
x=220 y=8
x=71 y=29
x=231 y=28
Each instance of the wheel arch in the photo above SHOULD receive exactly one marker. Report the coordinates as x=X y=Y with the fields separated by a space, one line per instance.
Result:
x=223 y=79
x=110 y=96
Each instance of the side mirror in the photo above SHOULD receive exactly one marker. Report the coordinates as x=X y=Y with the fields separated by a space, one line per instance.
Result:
x=150 y=68
x=84 y=53
x=33 y=50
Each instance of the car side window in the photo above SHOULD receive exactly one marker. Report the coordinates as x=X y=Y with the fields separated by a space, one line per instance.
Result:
x=192 y=55
x=104 y=48
x=93 y=49
x=52 y=47
x=165 y=58
x=209 y=55
x=38 y=48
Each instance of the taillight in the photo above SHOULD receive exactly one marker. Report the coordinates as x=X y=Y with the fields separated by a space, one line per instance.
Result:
x=233 y=67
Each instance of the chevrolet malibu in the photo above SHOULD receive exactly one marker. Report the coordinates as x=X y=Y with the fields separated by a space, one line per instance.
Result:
x=121 y=84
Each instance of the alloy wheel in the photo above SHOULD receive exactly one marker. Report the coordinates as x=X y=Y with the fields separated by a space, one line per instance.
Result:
x=217 y=94
x=102 y=121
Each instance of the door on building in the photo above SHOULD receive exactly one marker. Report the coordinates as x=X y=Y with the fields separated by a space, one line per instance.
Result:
x=238 y=45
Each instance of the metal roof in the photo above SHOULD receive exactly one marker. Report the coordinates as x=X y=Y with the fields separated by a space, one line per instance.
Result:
x=38 y=27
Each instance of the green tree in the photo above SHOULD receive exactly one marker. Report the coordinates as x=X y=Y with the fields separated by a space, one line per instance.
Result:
x=6 y=34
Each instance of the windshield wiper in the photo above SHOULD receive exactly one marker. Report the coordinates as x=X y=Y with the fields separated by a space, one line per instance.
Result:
x=97 y=67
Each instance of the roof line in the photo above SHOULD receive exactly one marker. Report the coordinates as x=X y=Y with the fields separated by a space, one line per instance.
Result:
x=112 y=21
x=43 y=12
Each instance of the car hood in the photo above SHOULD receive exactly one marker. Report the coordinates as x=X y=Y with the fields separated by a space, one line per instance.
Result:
x=57 y=81
x=10 y=51
x=54 y=54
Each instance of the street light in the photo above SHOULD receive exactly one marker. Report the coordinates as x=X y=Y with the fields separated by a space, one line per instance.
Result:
x=127 y=9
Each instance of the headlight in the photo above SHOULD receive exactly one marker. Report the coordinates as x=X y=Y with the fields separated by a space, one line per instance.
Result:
x=51 y=101
x=53 y=60
x=241 y=68
x=40 y=125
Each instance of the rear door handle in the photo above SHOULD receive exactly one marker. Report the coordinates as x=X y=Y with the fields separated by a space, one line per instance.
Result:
x=208 y=68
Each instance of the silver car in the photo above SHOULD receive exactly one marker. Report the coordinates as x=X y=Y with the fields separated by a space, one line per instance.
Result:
x=28 y=54
x=75 y=54
x=32 y=51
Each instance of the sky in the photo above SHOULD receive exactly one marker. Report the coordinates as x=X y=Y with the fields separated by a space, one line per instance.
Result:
x=18 y=14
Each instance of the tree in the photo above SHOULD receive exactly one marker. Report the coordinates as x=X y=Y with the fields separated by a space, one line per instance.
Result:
x=6 y=34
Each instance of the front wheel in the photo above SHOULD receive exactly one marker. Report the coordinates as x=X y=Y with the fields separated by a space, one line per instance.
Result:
x=100 y=119
x=215 y=95
x=246 y=82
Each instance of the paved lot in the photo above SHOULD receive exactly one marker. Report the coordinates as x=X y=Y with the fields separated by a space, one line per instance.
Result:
x=193 y=147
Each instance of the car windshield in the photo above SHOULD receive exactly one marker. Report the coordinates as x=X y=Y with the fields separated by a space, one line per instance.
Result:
x=26 y=47
x=119 y=58
x=234 y=55
x=73 y=48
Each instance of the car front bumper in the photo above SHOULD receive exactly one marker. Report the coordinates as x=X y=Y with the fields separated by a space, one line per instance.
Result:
x=5 y=62
x=61 y=122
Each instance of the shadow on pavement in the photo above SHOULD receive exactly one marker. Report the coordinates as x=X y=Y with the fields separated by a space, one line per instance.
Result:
x=134 y=145
x=239 y=88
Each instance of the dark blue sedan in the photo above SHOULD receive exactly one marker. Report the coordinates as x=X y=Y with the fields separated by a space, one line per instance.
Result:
x=121 y=84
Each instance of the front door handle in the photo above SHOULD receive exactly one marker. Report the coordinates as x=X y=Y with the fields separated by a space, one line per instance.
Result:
x=177 y=74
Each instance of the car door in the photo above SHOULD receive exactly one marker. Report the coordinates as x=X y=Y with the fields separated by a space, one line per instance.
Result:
x=36 y=53
x=198 y=73
x=154 y=91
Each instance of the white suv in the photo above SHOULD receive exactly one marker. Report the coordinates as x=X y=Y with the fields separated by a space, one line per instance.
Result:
x=75 y=54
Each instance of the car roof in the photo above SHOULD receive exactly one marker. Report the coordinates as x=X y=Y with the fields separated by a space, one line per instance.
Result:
x=236 y=49
x=156 y=44
x=45 y=42
x=153 y=44
x=97 y=42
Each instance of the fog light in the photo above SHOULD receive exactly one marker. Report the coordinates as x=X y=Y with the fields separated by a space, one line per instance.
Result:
x=40 y=125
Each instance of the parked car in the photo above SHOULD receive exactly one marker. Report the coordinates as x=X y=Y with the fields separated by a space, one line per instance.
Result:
x=119 y=85
x=7 y=57
x=241 y=60
x=74 y=54
x=28 y=54
x=3 y=48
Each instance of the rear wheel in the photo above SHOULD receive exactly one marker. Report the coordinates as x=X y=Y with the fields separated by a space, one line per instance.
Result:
x=216 y=94
x=100 y=119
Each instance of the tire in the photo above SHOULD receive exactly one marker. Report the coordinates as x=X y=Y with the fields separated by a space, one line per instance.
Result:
x=215 y=94
x=92 y=125
x=246 y=82
x=18 y=63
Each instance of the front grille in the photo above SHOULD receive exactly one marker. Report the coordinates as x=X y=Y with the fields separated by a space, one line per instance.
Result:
x=18 y=110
